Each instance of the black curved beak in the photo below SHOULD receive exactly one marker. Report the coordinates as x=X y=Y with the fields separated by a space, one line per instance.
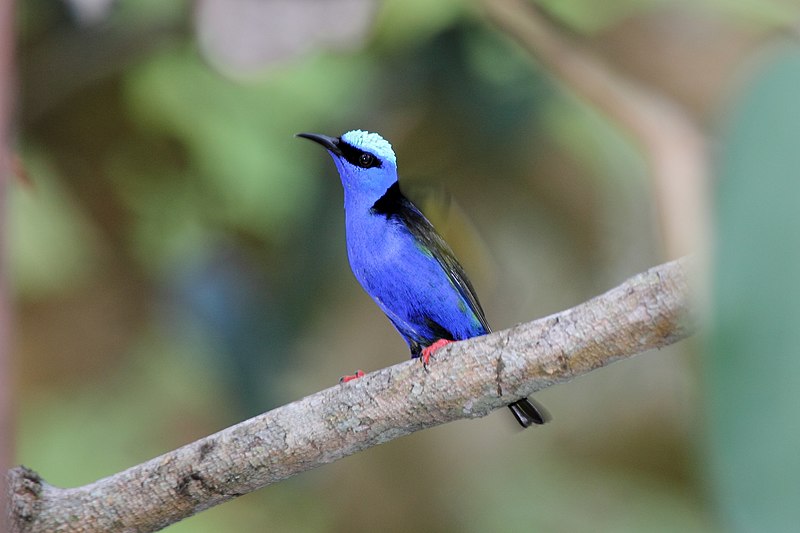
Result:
x=330 y=143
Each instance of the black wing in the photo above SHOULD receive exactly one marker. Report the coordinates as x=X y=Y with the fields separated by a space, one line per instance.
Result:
x=394 y=205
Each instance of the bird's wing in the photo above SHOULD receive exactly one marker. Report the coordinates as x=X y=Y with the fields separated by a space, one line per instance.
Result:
x=395 y=205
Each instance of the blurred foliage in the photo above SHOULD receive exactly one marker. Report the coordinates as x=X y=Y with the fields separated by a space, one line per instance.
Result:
x=403 y=23
x=50 y=240
x=753 y=369
x=179 y=259
x=772 y=12
x=589 y=16
x=237 y=149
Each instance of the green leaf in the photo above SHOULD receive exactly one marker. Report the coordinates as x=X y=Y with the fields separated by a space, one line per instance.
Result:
x=240 y=137
x=407 y=22
x=52 y=246
x=753 y=371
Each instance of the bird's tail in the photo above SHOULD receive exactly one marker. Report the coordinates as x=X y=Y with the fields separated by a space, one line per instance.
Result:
x=528 y=413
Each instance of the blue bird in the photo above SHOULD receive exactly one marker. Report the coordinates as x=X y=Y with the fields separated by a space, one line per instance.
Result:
x=399 y=258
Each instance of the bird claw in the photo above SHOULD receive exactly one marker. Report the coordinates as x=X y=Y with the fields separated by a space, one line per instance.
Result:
x=428 y=352
x=351 y=377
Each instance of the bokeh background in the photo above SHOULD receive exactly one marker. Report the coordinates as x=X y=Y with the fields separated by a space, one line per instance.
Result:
x=178 y=256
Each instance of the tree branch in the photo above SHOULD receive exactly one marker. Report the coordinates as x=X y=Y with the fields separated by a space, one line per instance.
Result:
x=467 y=380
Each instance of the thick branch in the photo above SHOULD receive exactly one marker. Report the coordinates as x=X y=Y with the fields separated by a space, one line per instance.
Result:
x=467 y=380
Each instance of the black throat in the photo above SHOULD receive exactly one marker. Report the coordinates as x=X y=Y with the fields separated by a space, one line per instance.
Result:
x=392 y=203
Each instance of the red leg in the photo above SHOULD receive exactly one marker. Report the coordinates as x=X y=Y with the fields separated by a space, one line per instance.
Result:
x=351 y=377
x=429 y=351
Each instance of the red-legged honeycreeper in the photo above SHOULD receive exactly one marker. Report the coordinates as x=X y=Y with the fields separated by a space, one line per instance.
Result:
x=400 y=259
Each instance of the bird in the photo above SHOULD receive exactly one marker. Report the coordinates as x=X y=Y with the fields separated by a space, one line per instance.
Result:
x=399 y=258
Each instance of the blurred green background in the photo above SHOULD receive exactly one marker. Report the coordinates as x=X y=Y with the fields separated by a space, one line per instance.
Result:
x=179 y=261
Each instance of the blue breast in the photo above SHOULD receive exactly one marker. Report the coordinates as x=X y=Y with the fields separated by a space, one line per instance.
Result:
x=398 y=259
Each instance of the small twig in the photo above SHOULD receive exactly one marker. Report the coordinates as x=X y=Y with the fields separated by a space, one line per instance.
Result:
x=674 y=146
x=648 y=311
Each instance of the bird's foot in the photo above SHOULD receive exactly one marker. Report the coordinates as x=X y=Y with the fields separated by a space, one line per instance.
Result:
x=351 y=377
x=429 y=351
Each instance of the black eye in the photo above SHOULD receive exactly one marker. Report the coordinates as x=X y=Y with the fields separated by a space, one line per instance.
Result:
x=366 y=160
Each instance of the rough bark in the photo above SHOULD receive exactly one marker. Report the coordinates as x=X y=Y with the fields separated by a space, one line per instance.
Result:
x=467 y=380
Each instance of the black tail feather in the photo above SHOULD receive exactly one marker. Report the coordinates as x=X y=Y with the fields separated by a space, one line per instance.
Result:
x=528 y=413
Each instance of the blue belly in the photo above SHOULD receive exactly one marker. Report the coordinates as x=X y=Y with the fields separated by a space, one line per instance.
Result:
x=409 y=285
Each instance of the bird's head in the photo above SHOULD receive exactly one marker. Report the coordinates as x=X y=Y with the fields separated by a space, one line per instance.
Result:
x=365 y=161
